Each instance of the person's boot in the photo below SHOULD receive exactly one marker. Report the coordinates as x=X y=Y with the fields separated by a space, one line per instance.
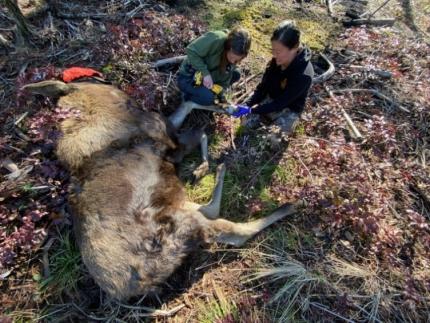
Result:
x=251 y=121
x=287 y=122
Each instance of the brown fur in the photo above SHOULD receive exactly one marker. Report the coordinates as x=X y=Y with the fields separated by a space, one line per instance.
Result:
x=129 y=224
x=107 y=115
x=132 y=221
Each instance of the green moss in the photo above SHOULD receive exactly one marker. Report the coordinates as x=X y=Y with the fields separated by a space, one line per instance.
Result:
x=286 y=172
x=215 y=142
x=269 y=202
x=315 y=33
x=260 y=17
x=300 y=129
x=202 y=191
x=307 y=239
x=266 y=173
x=234 y=17
x=233 y=197
x=239 y=131
x=107 y=69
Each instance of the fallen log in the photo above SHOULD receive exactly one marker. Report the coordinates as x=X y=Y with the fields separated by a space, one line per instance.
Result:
x=377 y=9
x=353 y=14
x=170 y=60
x=378 y=72
x=371 y=22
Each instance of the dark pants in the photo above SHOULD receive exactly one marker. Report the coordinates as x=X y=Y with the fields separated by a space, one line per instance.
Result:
x=285 y=119
x=199 y=94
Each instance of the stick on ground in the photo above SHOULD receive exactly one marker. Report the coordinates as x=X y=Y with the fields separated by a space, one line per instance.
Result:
x=170 y=60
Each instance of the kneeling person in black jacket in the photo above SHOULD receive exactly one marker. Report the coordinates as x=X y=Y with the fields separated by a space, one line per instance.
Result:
x=282 y=93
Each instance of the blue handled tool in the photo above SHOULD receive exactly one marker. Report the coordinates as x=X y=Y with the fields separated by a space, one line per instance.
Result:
x=241 y=110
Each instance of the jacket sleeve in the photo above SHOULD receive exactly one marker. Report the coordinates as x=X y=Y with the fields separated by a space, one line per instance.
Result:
x=260 y=91
x=295 y=88
x=198 y=49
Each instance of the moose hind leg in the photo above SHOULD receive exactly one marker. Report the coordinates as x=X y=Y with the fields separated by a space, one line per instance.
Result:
x=237 y=234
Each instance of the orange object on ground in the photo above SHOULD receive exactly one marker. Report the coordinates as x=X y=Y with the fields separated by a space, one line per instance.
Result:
x=74 y=73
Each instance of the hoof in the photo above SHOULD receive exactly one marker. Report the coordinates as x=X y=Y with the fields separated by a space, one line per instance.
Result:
x=201 y=171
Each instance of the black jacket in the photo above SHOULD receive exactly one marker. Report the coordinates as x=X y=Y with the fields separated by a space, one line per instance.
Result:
x=287 y=88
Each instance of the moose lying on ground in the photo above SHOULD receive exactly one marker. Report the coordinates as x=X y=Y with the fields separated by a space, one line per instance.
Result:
x=132 y=221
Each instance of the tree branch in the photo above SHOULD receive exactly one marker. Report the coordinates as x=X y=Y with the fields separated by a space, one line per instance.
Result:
x=375 y=93
x=327 y=74
x=23 y=31
x=170 y=60
x=353 y=129
x=371 y=22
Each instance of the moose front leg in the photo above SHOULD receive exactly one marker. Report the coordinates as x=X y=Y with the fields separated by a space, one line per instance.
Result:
x=189 y=140
x=178 y=117
x=203 y=168
x=237 y=234
x=212 y=209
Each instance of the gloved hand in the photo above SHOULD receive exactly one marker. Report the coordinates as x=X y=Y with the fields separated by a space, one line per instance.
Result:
x=208 y=82
x=241 y=110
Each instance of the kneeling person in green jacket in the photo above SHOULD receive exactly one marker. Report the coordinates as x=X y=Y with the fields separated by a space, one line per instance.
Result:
x=209 y=68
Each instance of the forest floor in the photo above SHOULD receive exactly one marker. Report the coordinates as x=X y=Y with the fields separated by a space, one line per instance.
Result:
x=360 y=249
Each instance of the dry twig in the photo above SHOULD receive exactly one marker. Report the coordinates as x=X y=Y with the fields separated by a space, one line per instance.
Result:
x=375 y=93
x=355 y=132
x=370 y=22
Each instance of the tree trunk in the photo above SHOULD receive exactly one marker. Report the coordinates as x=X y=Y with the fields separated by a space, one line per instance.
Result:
x=23 y=33
x=409 y=15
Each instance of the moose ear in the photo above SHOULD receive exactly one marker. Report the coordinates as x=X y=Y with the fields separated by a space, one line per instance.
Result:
x=53 y=89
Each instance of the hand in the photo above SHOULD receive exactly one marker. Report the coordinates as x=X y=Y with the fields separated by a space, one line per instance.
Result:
x=208 y=82
x=241 y=110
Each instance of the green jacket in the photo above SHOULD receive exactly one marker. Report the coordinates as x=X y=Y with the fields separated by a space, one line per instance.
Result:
x=204 y=55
